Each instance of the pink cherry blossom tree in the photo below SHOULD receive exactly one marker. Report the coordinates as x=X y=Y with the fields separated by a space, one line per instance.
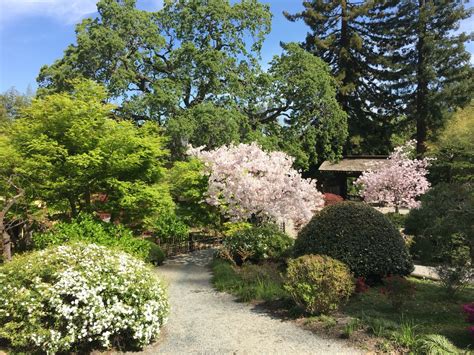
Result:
x=398 y=182
x=245 y=182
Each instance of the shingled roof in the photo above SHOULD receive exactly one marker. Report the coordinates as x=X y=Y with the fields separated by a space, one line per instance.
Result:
x=354 y=164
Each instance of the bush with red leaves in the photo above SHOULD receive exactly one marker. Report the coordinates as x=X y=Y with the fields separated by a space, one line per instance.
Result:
x=331 y=199
x=398 y=290
x=469 y=310
x=360 y=285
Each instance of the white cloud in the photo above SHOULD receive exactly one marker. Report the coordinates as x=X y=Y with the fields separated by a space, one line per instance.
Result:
x=65 y=11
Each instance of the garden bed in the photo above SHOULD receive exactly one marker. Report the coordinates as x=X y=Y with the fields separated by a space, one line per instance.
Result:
x=367 y=320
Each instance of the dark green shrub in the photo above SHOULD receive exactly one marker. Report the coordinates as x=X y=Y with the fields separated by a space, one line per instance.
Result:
x=442 y=226
x=86 y=228
x=358 y=235
x=257 y=244
x=156 y=256
x=397 y=219
x=319 y=283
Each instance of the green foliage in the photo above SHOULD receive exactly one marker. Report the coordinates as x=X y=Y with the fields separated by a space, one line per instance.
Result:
x=79 y=297
x=359 y=236
x=250 y=282
x=401 y=65
x=340 y=34
x=397 y=219
x=87 y=229
x=230 y=228
x=433 y=312
x=455 y=277
x=318 y=283
x=11 y=104
x=188 y=185
x=156 y=256
x=406 y=334
x=186 y=53
x=442 y=226
x=72 y=153
x=434 y=69
x=435 y=344
x=398 y=290
x=169 y=227
x=379 y=326
x=300 y=89
x=205 y=125
x=352 y=326
x=454 y=149
x=256 y=244
x=203 y=82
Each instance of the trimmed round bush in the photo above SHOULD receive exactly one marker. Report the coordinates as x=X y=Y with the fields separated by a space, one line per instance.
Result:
x=319 y=283
x=257 y=244
x=78 y=297
x=358 y=235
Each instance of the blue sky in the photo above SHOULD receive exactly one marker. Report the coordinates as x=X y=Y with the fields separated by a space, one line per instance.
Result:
x=36 y=32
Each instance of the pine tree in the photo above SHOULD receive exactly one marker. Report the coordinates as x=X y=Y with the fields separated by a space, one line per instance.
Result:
x=341 y=36
x=393 y=59
x=431 y=74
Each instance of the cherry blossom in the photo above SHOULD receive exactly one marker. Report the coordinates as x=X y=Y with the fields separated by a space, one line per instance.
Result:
x=245 y=182
x=399 y=182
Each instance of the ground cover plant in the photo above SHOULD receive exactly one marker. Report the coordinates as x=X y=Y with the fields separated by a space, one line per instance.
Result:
x=250 y=282
x=78 y=297
x=429 y=310
x=426 y=321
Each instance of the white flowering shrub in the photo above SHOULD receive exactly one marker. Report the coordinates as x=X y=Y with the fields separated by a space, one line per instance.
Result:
x=78 y=297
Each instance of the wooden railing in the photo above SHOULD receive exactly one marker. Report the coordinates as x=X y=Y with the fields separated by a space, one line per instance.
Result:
x=195 y=241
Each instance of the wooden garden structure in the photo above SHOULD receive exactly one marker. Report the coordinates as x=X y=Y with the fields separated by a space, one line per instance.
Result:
x=334 y=175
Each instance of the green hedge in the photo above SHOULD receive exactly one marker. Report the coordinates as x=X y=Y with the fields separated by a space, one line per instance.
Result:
x=86 y=228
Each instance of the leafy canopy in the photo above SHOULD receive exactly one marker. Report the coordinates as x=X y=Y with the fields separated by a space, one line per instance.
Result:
x=79 y=159
x=193 y=67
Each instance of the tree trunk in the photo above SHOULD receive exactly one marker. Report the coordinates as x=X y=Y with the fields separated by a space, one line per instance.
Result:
x=87 y=199
x=345 y=49
x=6 y=239
x=72 y=204
x=422 y=85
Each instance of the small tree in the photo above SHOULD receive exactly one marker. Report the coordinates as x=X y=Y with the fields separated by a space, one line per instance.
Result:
x=247 y=182
x=76 y=158
x=399 y=182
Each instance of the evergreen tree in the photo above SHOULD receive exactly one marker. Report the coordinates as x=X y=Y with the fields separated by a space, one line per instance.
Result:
x=399 y=63
x=430 y=69
x=340 y=35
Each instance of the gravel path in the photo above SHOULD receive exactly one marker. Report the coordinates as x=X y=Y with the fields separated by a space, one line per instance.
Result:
x=204 y=321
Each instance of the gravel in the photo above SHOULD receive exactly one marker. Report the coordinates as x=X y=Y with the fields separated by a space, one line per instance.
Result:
x=204 y=321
